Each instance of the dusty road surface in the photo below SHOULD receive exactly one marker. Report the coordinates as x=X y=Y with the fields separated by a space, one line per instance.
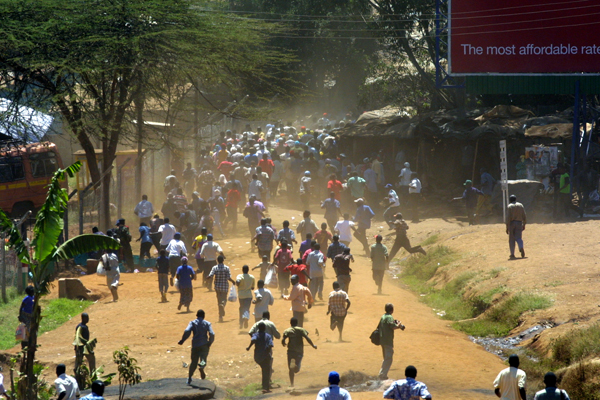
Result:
x=451 y=365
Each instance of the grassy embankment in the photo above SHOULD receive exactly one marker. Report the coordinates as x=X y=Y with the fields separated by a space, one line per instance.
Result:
x=574 y=356
x=54 y=312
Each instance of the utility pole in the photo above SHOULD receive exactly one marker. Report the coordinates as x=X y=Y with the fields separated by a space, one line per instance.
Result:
x=139 y=107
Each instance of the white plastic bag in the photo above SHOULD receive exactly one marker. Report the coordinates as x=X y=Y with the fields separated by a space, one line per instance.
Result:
x=176 y=284
x=232 y=294
x=271 y=278
x=100 y=270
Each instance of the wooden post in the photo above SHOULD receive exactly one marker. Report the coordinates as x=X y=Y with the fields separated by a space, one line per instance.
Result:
x=475 y=161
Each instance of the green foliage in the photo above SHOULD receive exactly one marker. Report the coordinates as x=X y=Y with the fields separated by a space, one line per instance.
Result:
x=96 y=375
x=56 y=313
x=41 y=390
x=128 y=370
x=432 y=239
x=424 y=267
x=577 y=345
x=504 y=317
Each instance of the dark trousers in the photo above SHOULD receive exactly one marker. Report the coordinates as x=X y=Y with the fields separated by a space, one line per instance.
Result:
x=127 y=255
x=403 y=242
x=415 y=198
x=265 y=367
x=388 y=214
x=198 y=353
x=145 y=250
x=361 y=235
x=174 y=263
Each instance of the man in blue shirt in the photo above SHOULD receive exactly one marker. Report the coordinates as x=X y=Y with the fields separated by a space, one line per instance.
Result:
x=363 y=217
x=185 y=274
x=305 y=245
x=146 y=241
x=263 y=354
x=407 y=389
x=97 y=391
x=201 y=342
x=334 y=392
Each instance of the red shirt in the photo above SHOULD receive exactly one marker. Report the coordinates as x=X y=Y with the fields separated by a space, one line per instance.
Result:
x=267 y=166
x=225 y=167
x=296 y=269
x=335 y=187
x=282 y=259
x=233 y=197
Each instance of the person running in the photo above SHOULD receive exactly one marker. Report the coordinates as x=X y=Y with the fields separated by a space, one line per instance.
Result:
x=283 y=258
x=393 y=202
x=202 y=340
x=334 y=391
x=231 y=206
x=222 y=275
x=176 y=249
x=341 y=267
x=245 y=283
x=199 y=240
x=264 y=238
x=315 y=263
x=84 y=347
x=344 y=229
x=306 y=226
x=363 y=217
x=400 y=226
x=97 y=391
x=146 y=244
x=510 y=382
x=408 y=388
x=208 y=253
x=185 y=275
x=516 y=219
x=301 y=298
x=379 y=260
x=271 y=329
x=122 y=233
x=295 y=335
x=300 y=270
x=263 y=266
x=66 y=386
x=332 y=210
x=263 y=298
x=323 y=237
x=338 y=306
x=144 y=210
x=253 y=212
x=263 y=354
x=287 y=234
x=387 y=326
x=305 y=245
x=470 y=197
x=551 y=392
x=110 y=262
x=167 y=231
x=306 y=186
x=162 y=264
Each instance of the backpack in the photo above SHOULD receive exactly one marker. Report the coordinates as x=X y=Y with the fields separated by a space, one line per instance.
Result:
x=376 y=336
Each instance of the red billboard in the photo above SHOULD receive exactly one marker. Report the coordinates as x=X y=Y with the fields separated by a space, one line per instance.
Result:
x=524 y=37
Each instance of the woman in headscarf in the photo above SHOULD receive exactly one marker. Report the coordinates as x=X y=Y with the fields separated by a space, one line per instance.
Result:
x=185 y=275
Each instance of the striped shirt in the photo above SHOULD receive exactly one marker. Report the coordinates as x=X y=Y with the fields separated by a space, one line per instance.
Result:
x=222 y=275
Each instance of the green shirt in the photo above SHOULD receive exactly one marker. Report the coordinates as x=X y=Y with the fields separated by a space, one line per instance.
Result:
x=245 y=285
x=379 y=254
x=386 y=330
x=563 y=182
x=295 y=337
x=357 y=186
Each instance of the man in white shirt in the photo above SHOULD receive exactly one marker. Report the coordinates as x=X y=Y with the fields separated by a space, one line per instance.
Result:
x=344 y=229
x=510 y=382
x=316 y=262
x=208 y=253
x=263 y=298
x=405 y=178
x=255 y=187
x=175 y=250
x=168 y=232
x=414 y=194
x=393 y=205
x=144 y=210
x=66 y=386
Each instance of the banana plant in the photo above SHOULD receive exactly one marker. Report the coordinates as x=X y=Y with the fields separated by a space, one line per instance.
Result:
x=46 y=253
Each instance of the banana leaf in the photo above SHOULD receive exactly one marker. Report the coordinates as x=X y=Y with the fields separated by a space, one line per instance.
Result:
x=84 y=244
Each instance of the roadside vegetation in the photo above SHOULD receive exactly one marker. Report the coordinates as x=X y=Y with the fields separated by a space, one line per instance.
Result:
x=56 y=312
x=493 y=313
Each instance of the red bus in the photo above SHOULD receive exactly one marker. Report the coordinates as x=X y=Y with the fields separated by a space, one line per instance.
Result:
x=25 y=171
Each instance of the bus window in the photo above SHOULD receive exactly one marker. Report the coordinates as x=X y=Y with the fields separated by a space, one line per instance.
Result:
x=43 y=164
x=11 y=169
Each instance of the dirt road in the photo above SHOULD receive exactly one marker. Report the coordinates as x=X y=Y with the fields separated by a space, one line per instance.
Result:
x=451 y=365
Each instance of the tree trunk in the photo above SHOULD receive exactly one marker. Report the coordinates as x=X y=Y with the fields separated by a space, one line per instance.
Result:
x=28 y=385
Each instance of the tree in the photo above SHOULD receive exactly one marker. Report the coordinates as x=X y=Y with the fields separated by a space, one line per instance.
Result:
x=407 y=30
x=90 y=59
x=333 y=40
x=46 y=253
x=129 y=372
